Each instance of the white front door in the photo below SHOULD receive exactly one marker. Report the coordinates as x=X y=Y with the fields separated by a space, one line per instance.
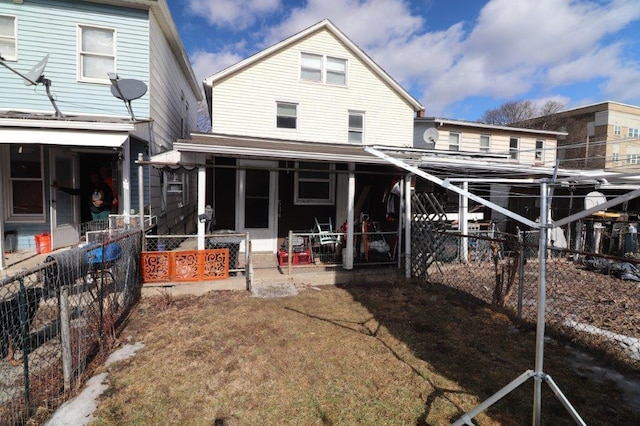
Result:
x=256 y=203
x=65 y=211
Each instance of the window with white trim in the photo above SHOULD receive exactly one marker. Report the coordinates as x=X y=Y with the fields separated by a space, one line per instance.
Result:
x=514 y=147
x=356 y=127
x=617 y=131
x=25 y=184
x=633 y=132
x=323 y=69
x=96 y=53
x=539 y=155
x=8 y=38
x=615 y=156
x=485 y=143
x=286 y=115
x=633 y=158
x=454 y=141
x=314 y=183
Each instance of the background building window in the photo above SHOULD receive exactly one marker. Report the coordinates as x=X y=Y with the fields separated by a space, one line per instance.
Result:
x=8 y=37
x=25 y=183
x=336 y=71
x=314 y=183
x=513 y=148
x=323 y=69
x=454 y=141
x=286 y=116
x=97 y=55
x=539 y=150
x=617 y=131
x=485 y=143
x=356 y=127
x=633 y=133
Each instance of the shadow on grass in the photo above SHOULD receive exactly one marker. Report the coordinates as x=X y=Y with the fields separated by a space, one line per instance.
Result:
x=481 y=350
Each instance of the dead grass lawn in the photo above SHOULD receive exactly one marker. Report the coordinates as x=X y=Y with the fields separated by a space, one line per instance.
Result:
x=393 y=354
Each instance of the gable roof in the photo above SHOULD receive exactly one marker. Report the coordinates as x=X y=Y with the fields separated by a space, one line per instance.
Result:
x=329 y=26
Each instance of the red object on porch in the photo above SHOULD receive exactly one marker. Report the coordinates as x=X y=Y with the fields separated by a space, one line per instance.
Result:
x=43 y=243
x=299 y=258
x=185 y=266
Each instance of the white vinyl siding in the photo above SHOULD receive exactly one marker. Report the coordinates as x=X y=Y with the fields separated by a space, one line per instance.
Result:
x=389 y=118
x=96 y=53
x=8 y=38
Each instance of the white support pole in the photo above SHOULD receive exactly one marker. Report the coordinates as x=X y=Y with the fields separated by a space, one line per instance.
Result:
x=124 y=196
x=463 y=223
x=407 y=228
x=202 y=188
x=141 y=190
x=542 y=295
x=3 y=264
x=351 y=195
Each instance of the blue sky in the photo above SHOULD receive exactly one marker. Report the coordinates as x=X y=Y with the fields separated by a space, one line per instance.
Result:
x=458 y=58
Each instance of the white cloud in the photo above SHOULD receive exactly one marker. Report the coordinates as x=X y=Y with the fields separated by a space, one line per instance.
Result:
x=234 y=14
x=206 y=64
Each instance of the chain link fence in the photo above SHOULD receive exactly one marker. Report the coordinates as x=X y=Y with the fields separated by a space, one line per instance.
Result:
x=591 y=299
x=59 y=316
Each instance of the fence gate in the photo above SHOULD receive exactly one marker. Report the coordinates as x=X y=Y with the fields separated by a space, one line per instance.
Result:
x=428 y=243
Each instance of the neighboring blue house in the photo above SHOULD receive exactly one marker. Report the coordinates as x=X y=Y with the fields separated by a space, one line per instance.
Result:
x=86 y=128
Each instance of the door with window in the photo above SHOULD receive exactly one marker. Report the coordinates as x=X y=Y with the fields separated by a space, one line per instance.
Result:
x=65 y=208
x=256 y=203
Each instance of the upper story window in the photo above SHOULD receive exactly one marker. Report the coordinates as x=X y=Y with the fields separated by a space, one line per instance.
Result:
x=514 y=147
x=633 y=158
x=617 y=131
x=25 y=188
x=96 y=53
x=356 y=127
x=314 y=183
x=286 y=115
x=485 y=143
x=8 y=38
x=539 y=155
x=633 y=133
x=454 y=141
x=323 y=69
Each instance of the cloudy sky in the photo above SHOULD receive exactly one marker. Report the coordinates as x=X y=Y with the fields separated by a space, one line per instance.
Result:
x=458 y=58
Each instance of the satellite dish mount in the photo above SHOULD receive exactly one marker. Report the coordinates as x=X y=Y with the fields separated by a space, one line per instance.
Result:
x=127 y=89
x=36 y=76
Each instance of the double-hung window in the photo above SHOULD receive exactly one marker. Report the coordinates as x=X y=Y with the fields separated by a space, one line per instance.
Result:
x=485 y=143
x=286 y=115
x=617 y=131
x=96 y=53
x=514 y=146
x=539 y=155
x=8 y=38
x=323 y=69
x=454 y=141
x=356 y=127
x=25 y=195
x=314 y=183
x=633 y=132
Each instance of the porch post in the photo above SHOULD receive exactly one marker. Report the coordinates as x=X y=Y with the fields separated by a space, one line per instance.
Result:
x=463 y=223
x=202 y=186
x=407 y=225
x=347 y=263
x=124 y=193
x=141 y=192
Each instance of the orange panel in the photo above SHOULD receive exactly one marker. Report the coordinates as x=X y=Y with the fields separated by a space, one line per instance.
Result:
x=185 y=266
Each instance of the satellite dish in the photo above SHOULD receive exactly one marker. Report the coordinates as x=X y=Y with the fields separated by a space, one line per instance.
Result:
x=593 y=199
x=36 y=73
x=128 y=89
x=431 y=135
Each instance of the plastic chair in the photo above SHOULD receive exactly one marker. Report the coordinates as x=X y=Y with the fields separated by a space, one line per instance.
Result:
x=326 y=234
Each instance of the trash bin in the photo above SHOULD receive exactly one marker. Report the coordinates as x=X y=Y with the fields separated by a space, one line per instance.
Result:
x=229 y=239
x=10 y=241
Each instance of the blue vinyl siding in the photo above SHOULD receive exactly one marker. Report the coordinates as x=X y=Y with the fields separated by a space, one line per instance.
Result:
x=51 y=27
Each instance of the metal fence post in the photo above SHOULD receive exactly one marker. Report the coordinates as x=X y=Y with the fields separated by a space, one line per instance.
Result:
x=248 y=263
x=24 y=331
x=289 y=250
x=520 y=274
x=65 y=336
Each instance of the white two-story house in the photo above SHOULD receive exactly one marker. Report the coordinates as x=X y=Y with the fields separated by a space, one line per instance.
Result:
x=79 y=51
x=290 y=124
